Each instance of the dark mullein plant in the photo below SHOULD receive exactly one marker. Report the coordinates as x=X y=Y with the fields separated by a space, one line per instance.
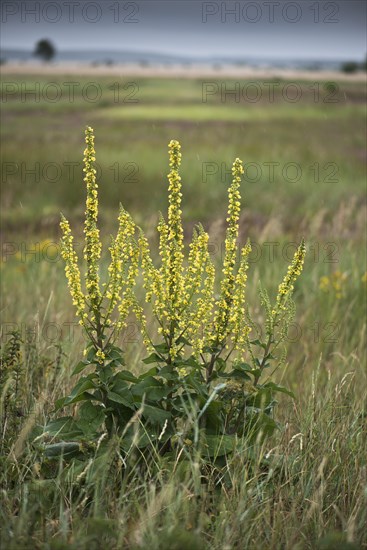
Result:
x=202 y=347
x=206 y=386
x=95 y=306
x=12 y=378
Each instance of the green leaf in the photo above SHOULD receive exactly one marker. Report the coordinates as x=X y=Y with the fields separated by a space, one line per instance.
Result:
x=115 y=354
x=243 y=366
x=221 y=364
x=91 y=355
x=161 y=348
x=111 y=362
x=213 y=414
x=117 y=398
x=80 y=366
x=168 y=373
x=91 y=417
x=185 y=402
x=152 y=388
x=258 y=343
x=151 y=372
x=190 y=362
x=85 y=383
x=119 y=385
x=261 y=399
x=238 y=374
x=256 y=372
x=219 y=445
x=153 y=358
x=126 y=375
x=84 y=396
x=259 y=422
x=64 y=426
x=105 y=374
x=274 y=387
x=156 y=415
x=140 y=441
x=199 y=386
x=60 y=403
x=65 y=449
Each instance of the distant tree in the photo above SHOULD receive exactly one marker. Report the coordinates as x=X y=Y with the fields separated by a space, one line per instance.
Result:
x=350 y=67
x=45 y=50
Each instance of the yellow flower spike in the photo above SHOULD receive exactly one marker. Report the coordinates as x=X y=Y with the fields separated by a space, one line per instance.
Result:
x=153 y=281
x=164 y=254
x=93 y=246
x=200 y=278
x=239 y=327
x=196 y=261
x=175 y=229
x=294 y=270
x=182 y=300
x=227 y=283
x=199 y=326
x=123 y=268
x=71 y=269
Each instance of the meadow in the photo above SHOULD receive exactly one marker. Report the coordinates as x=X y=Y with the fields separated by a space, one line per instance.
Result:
x=305 y=487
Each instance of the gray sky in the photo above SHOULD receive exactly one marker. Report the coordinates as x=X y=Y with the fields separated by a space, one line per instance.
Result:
x=273 y=28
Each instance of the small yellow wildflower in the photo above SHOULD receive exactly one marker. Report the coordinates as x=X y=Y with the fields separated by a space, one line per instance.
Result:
x=182 y=372
x=333 y=283
x=101 y=356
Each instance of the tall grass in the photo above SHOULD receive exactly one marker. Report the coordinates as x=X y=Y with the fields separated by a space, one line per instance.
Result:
x=311 y=495
x=305 y=489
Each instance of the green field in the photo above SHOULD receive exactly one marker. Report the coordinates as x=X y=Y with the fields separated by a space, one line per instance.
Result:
x=305 y=175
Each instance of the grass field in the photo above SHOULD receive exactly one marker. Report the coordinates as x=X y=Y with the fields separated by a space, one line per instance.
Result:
x=305 y=175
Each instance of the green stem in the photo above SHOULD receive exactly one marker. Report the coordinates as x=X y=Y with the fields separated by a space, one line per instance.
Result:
x=263 y=361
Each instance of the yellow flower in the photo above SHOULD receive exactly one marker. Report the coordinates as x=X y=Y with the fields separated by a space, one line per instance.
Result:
x=182 y=372
x=334 y=283
x=174 y=238
x=199 y=299
x=71 y=269
x=93 y=246
x=101 y=356
x=324 y=283
x=228 y=281
x=94 y=313
x=123 y=268
x=294 y=270
x=237 y=319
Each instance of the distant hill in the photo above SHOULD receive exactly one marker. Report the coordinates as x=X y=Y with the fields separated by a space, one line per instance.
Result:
x=148 y=58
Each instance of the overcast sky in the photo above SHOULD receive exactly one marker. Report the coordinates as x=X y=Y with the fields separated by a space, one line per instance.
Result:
x=304 y=29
